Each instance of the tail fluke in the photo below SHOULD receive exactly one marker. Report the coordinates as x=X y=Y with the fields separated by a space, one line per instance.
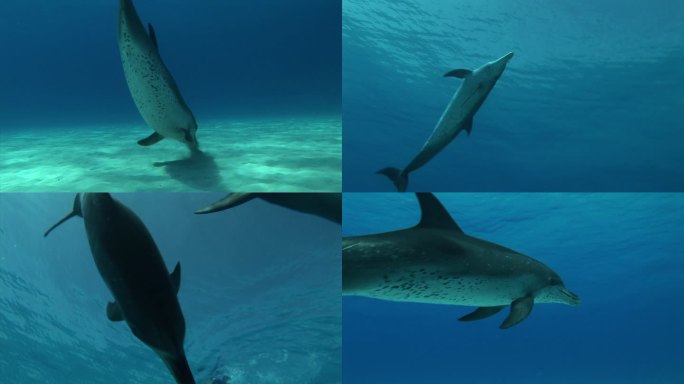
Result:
x=180 y=369
x=398 y=177
x=75 y=212
x=229 y=201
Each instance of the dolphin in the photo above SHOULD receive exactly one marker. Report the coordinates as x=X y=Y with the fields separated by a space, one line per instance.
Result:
x=457 y=117
x=152 y=87
x=436 y=262
x=324 y=205
x=133 y=269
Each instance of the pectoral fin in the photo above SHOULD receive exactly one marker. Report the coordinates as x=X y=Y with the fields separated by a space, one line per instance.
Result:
x=151 y=139
x=468 y=125
x=153 y=36
x=460 y=73
x=481 y=313
x=114 y=312
x=175 y=277
x=520 y=309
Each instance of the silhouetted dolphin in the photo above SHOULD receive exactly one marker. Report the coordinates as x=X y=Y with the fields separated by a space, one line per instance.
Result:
x=457 y=117
x=153 y=89
x=325 y=205
x=133 y=269
x=435 y=262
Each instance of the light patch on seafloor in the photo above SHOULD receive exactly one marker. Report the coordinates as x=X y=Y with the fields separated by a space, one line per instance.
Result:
x=247 y=155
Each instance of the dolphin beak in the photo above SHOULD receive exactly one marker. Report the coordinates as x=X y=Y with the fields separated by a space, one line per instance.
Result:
x=572 y=298
x=505 y=58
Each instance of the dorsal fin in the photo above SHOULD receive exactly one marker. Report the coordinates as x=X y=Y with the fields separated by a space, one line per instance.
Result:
x=153 y=36
x=76 y=211
x=433 y=213
x=175 y=277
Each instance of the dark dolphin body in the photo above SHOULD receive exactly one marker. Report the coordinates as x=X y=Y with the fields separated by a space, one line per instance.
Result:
x=457 y=117
x=325 y=205
x=152 y=87
x=435 y=262
x=134 y=271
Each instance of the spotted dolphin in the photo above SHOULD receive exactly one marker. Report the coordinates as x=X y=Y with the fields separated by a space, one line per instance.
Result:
x=324 y=205
x=133 y=269
x=436 y=262
x=152 y=87
x=457 y=117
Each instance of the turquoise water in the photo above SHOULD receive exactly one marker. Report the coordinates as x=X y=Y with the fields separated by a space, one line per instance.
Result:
x=259 y=291
x=262 y=78
x=591 y=101
x=259 y=155
x=620 y=252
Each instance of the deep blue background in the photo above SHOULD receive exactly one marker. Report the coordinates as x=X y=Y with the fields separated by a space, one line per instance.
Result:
x=621 y=253
x=258 y=58
x=591 y=101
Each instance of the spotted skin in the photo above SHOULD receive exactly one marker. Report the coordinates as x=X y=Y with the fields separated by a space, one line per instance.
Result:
x=436 y=263
x=150 y=83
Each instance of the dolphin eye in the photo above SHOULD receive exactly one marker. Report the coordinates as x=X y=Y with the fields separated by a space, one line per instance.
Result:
x=554 y=280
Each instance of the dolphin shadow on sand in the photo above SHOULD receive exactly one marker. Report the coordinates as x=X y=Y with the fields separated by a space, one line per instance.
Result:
x=199 y=171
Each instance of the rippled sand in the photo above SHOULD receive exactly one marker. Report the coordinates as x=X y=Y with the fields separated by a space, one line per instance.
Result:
x=302 y=154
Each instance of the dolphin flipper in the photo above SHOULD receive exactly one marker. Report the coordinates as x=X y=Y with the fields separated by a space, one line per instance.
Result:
x=114 y=312
x=468 y=125
x=481 y=313
x=520 y=309
x=153 y=36
x=75 y=212
x=175 y=277
x=398 y=177
x=151 y=139
x=460 y=73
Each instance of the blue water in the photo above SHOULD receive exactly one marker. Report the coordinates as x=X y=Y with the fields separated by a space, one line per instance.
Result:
x=621 y=253
x=259 y=290
x=591 y=101
x=230 y=58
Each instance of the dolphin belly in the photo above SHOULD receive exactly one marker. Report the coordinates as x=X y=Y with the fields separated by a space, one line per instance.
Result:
x=479 y=291
x=397 y=272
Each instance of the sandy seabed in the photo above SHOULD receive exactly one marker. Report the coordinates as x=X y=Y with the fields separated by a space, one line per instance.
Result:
x=249 y=155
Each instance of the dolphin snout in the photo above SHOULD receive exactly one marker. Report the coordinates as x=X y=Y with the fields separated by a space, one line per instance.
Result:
x=501 y=62
x=507 y=56
x=572 y=298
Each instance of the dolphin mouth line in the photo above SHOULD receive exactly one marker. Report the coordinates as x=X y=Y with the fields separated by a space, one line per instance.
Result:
x=507 y=56
x=573 y=298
